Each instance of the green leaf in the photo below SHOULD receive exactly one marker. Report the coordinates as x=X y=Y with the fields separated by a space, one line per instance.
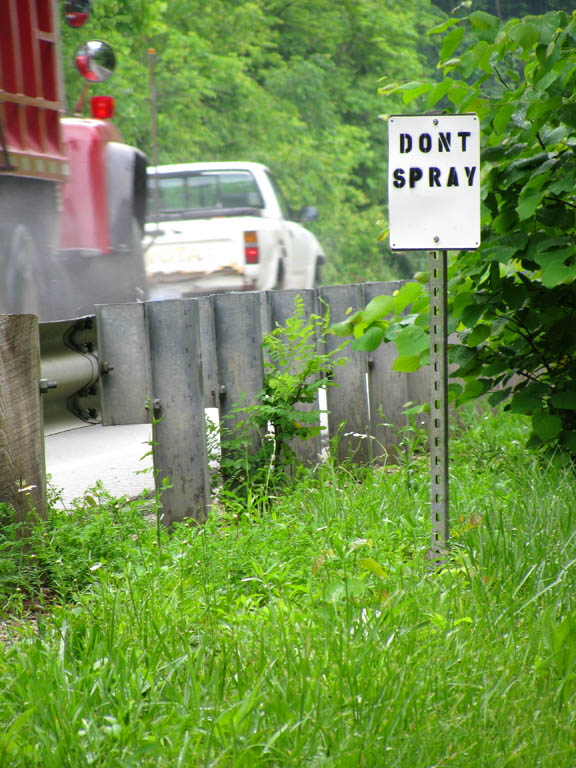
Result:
x=483 y=20
x=567 y=113
x=502 y=117
x=558 y=274
x=413 y=93
x=406 y=295
x=450 y=42
x=379 y=307
x=411 y=341
x=474 y=388
x=554 y=270
x=569 y=441
x=505 y=220
x=471 y=314
x=526 y=34
x=370 y=339
x=373 y=566
x=439 y=91
x=498 y=397
x=528 y=202
x=342 y=329
x=407 y=364
x=357 y=543
x=546 y=426
x=478 y=334
x=565 y=401
x=439 y=28
x=529 y=399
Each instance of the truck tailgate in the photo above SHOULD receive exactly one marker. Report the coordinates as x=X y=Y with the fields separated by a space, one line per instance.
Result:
x=198 y=247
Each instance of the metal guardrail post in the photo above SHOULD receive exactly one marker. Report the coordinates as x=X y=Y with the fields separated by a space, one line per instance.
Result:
x=388 y=389
x=209 y=357
x=277 y=307
x=179 y=429
x=124 y=363
x=238 y=351
x=348 y=400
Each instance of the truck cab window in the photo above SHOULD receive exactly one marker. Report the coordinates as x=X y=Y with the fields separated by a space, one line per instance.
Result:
x=282 y=202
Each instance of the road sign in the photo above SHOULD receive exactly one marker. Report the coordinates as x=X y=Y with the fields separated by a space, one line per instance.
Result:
x=434 y=182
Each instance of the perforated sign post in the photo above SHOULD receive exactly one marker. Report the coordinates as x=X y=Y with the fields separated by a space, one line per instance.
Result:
x=434 y=205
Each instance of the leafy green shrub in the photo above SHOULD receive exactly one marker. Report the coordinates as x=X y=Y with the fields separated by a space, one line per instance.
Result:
x=256 y=440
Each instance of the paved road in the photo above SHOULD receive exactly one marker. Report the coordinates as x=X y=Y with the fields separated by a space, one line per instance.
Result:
x=77 y=459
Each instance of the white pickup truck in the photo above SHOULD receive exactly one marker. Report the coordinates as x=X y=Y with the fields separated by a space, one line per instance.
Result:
x=216 y=227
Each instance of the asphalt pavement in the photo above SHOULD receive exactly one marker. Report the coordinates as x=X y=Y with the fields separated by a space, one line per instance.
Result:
x=77 y=459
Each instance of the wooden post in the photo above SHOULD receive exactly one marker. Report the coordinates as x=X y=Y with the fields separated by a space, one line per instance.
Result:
x=22 y=465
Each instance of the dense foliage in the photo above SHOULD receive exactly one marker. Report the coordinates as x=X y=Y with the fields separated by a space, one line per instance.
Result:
x=291 y=84
x=505 y=9
x=513 y=300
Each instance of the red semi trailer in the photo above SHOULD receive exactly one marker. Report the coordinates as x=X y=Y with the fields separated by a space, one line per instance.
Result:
x=72 y=195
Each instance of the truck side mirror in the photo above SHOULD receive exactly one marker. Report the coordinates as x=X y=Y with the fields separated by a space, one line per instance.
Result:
x=96 y=61
x=308 y=213
x=76 y=12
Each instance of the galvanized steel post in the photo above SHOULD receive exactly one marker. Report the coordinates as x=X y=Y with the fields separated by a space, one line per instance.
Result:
x=348 y=411
x=178 y=426
x=439 y=431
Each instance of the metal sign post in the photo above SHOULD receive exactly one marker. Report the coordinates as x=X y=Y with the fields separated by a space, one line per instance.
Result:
x=434 y=205
x=439 y=432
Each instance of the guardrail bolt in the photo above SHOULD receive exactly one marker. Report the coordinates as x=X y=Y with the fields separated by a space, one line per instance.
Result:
x=155 y=406
x=105 y=368
x=45 y=385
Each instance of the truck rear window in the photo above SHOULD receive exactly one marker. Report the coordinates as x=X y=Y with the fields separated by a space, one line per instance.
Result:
x=202 y=191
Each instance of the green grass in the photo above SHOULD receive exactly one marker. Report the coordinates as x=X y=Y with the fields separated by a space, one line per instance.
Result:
x=314 y=635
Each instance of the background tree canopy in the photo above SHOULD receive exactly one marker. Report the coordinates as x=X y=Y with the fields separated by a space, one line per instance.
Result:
x=290 y=83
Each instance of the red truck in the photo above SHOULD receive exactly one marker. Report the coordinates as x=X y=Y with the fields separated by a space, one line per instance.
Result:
x=72 y=195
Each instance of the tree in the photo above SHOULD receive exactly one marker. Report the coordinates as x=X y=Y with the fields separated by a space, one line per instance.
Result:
x=505 y=9
x=513 y=301
x=290 y=84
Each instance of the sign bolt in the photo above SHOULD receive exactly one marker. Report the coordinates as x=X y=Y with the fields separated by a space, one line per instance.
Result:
x=436 y=239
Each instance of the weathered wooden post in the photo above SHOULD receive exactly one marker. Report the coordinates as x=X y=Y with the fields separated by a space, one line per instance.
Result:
x=22 y=465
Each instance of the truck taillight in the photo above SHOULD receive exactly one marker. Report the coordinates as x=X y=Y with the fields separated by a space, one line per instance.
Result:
x=102 y=107
x=251 y=249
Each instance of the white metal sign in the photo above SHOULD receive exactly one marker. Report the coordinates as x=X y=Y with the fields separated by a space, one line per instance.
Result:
x=434 y=182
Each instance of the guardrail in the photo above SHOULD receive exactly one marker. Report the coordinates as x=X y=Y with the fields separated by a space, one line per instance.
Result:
x=175 y=358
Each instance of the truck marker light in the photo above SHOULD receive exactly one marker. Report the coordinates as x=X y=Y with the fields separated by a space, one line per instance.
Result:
x=102 y=107
x=251 y=249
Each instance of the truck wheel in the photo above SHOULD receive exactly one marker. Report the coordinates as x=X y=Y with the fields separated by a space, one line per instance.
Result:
x=23 y=273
